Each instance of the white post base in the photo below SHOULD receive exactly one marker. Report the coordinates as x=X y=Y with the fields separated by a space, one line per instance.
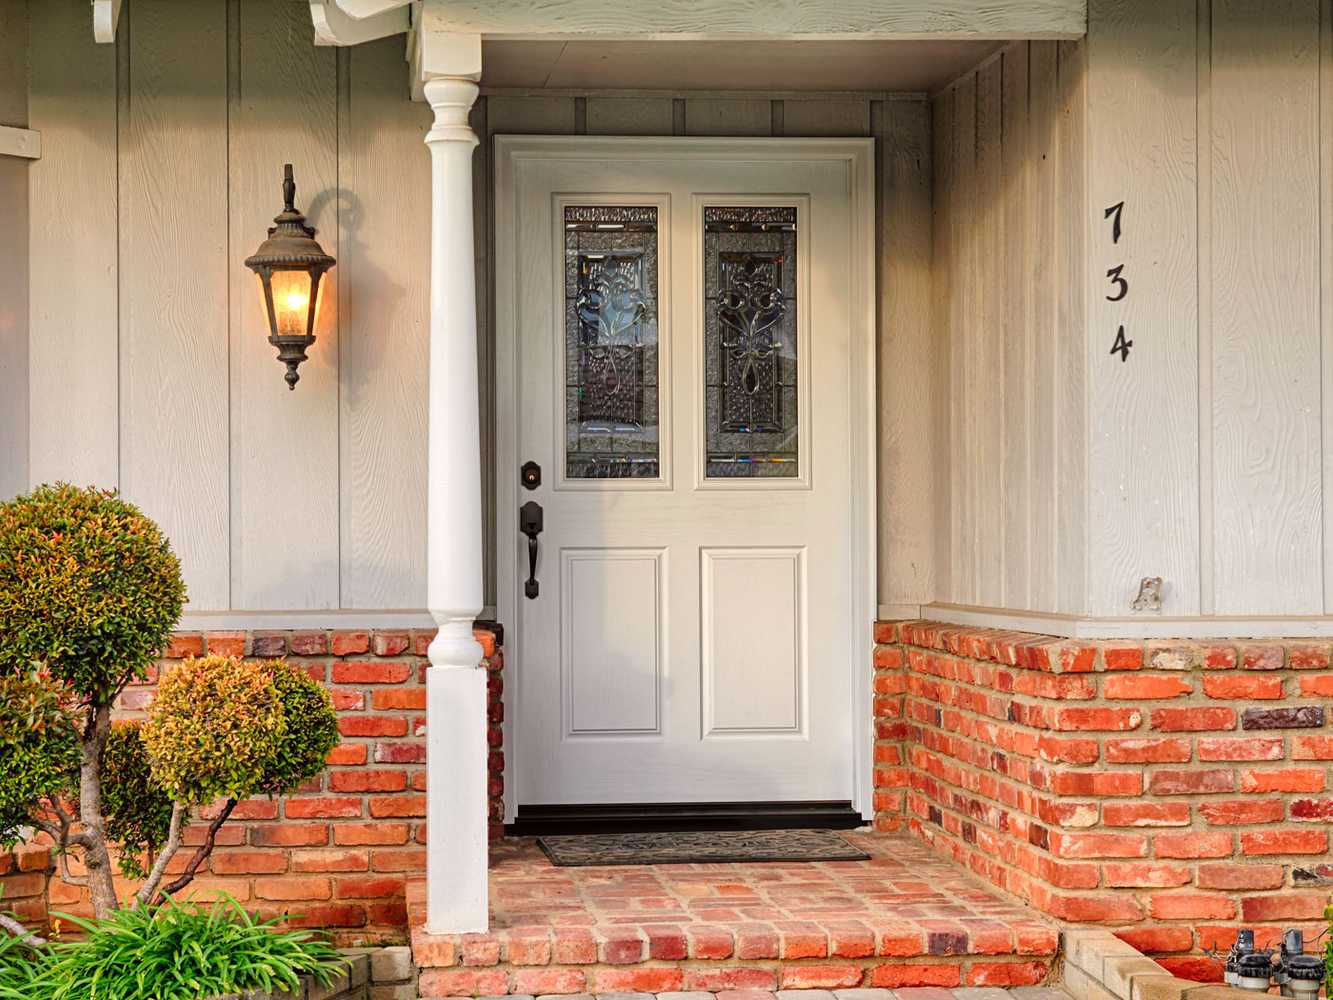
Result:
x=456 y=822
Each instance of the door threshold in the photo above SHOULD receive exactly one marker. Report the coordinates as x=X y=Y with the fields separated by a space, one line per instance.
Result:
x=550 y=820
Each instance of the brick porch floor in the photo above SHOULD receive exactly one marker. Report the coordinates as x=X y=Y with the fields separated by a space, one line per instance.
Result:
x=905 y=918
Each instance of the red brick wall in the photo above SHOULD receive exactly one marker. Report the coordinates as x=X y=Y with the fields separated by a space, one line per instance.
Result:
x=339 y=851
x=1172 y=790
x=24 y=874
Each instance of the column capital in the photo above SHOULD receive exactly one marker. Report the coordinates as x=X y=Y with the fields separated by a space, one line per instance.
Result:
x=451 y=98
x=436 y=54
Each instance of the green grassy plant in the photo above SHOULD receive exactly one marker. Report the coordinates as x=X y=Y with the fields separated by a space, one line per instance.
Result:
x=177 y=951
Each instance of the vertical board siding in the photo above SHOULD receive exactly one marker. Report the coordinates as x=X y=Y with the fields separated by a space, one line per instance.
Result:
x=1144 y=435
x=73 y=286
x=964 y=317
x=1267 y=485
x=1070 y=388
x=174 y=267
x=14 y=172
x=910 y=448
x=1326 y=280
x=941 y=325
x=1202 y=458
x=284 y=444
x=985 y=402
x=1007 y=249
x=629 y=116
x=384 y=237
x=1016 y=317
x=1047 y=280
x=842 y=117
x=732 y=116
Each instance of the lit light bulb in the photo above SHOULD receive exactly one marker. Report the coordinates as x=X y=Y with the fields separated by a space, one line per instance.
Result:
x=291 y=296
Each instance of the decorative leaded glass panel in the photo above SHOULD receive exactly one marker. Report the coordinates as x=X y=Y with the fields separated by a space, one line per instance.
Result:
x=750 y=342
x=611 y=401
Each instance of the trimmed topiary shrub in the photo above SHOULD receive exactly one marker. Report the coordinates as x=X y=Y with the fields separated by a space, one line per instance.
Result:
x=137 y=805
x=89 y=588
x=89 y=593
x=39 y=747
x=213 y=728
x=312 y=730
x=224 y=728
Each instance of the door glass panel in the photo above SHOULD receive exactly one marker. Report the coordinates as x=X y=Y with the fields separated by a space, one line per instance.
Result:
x=750 y=342
x=611 y=387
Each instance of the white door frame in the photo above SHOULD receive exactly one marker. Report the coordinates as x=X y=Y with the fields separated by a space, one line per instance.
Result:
x=859 y=157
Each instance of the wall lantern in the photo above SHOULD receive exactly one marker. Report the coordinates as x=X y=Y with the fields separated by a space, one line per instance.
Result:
x=289 y=264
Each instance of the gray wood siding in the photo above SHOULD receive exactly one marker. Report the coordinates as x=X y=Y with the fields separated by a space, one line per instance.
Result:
x=150 y=369
x=13 y=252
x=1203 y=458
x=1008 y=259
x=1209 y=450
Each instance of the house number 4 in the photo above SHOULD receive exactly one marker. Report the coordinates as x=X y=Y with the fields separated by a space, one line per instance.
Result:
x=1116 y=276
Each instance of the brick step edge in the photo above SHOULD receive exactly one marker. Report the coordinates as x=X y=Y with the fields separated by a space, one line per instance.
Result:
x=741 y=974
x=372 y=974
x=1099 y=966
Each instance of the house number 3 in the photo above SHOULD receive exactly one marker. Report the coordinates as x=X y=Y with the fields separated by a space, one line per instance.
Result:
x=1116 y=276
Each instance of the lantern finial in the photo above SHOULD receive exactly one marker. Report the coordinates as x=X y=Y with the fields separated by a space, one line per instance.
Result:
x=288 y=188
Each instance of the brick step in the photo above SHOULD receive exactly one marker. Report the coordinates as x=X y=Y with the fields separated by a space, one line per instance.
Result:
x=905 y=918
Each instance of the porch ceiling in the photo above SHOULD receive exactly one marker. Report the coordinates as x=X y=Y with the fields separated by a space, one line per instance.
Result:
x=784 y=66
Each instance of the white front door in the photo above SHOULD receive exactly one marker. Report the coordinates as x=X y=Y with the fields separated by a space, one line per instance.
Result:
x=683 y=332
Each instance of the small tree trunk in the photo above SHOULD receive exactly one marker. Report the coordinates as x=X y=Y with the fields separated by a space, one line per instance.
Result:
x=201 y=852
x=169 y=849
x=96 y=857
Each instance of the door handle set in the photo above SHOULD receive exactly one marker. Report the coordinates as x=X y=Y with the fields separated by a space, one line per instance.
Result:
x=530 y=524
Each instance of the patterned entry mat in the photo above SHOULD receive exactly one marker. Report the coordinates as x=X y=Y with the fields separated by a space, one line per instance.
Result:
x=711 y=847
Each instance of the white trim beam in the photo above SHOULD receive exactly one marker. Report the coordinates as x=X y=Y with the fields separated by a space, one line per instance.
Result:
x=24 y=143
x=759 y=19
x=106 y=19
x=369 y=8
x=334 y=25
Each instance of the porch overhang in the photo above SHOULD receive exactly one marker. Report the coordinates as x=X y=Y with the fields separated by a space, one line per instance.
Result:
x=808 y=19
x=350 y=22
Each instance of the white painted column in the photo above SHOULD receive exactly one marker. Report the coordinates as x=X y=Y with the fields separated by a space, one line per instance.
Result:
x=456 y=856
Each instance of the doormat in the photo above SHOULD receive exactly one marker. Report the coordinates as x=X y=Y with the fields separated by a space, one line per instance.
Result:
x=698 y=848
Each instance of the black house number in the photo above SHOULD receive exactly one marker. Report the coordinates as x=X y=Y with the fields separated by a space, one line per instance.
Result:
x=1116 y=276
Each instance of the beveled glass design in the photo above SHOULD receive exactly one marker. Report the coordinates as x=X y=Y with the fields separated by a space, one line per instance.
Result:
x=750 y=342
x=611 y=389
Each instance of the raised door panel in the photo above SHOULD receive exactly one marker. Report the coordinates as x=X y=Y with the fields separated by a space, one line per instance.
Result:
x=612 y=620
x=752 y=639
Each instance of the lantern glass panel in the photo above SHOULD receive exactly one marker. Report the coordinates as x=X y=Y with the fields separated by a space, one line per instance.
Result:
x=291 y=302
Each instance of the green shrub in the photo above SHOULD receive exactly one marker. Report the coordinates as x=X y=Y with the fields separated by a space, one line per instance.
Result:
x=39 y=748
x=183 y=951
x=89 y=588
x=136 y=806
x=24 y=972
x=311 y=727
x=214 y=727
